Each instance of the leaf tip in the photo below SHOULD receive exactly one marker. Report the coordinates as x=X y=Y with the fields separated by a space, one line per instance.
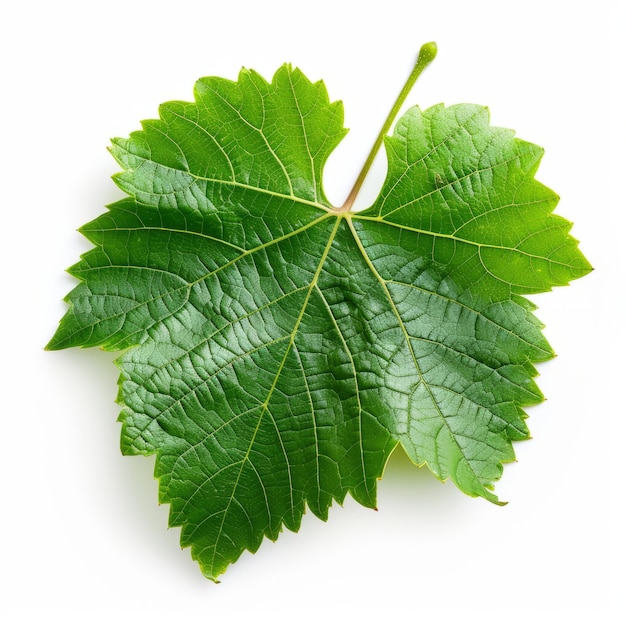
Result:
x=57 y=341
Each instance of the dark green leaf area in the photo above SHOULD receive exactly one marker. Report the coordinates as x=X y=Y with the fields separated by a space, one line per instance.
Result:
x=276 y=349
x=251 y=134
x=251 y=396
x=146 y=259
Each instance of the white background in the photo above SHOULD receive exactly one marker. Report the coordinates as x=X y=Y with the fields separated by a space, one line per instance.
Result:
x=82 y=536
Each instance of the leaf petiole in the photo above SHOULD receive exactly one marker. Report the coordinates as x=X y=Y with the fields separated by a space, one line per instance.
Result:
x=426 y=55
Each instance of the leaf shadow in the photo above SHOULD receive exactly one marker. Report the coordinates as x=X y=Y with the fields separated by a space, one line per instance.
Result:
x=406 y=489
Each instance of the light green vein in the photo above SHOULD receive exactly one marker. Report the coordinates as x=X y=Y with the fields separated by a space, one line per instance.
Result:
x=304 y=135
x=409 y=344
x=258 y=130
x=429 y=233
x=356 y=388
x=265 y=404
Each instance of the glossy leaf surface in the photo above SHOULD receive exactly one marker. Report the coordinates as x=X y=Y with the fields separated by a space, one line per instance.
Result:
x=276 y=349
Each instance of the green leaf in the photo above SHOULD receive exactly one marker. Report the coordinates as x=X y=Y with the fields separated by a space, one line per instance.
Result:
x=275 y=348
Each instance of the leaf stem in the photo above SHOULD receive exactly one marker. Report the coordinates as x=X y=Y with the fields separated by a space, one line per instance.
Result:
x=426 y=54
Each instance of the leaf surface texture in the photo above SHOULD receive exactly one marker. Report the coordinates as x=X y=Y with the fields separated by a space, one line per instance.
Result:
x=276 y=349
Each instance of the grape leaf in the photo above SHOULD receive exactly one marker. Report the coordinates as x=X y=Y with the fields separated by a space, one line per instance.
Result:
x=276 y=349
